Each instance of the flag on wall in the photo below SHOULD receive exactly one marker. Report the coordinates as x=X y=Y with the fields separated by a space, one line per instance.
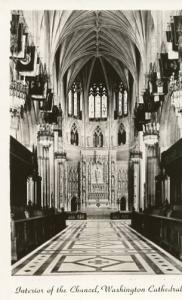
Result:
x=49 y=100
x=14 y=24
x=27 y=64
x=38 y=89
x=176 y=28
x=168 y=66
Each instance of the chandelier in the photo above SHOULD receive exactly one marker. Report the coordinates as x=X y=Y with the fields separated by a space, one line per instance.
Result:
x=135 y=155
x=18 y=93
x=151 y=133
x=176 y=89
x=45 y=135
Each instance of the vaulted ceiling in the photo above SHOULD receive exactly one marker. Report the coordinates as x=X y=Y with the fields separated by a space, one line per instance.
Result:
x=74 y=38
x=120 y=37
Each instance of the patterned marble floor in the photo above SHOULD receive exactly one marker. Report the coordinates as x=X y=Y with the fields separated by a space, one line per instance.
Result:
x=97 y=246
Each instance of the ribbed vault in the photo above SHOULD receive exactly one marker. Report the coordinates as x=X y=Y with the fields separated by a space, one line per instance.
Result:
x=115 y=35
x=73 y=38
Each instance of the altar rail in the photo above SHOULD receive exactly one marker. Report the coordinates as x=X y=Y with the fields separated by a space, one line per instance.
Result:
x=120 y=215
x=164 y=231
x=27 y=234
x=76 y=216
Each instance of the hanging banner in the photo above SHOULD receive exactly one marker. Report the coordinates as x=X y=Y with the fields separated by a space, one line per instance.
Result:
x=20 y=36
x=14 y=24
x=38 y=89
x=27 y=64
x=171 y=54
x=49 y=100
x=176 y=29
x=168 y=66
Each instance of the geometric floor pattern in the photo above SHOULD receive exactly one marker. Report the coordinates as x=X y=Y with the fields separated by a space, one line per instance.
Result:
x=97 y=247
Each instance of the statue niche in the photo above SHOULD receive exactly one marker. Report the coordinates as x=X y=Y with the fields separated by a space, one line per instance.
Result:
x=121 y=135
x=74 y=135
x=98 y=137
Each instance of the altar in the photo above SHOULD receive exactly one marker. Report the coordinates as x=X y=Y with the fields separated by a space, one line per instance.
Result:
x=99 y=177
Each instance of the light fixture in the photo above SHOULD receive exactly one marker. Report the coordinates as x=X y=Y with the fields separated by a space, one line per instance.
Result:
x=18 y=93
x=151 y=133
x=176 y=95
x=45 y=135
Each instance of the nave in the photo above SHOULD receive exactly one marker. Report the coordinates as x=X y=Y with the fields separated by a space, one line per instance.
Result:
x=95 y=106
x=97 y=247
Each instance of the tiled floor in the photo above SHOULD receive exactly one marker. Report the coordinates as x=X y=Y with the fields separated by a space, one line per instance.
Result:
x=97 y=246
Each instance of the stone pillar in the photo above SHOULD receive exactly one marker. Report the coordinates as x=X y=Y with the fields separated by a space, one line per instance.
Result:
x=152 y=169
x=44 y=177
x=136 y=183
x=82 y=204
x=45 y=138
x=14 y=123
x=56 y=182
x=35 y=191
x=51 y=172
x=14 y=256
x=30 y=190
x=83 y=182
x=60 y=183
x=166 y=189
x=47 y=177
x=109 y=179
x=136 y=157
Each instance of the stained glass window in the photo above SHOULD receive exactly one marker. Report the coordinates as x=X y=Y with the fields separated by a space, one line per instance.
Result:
x=70 y=102
x=91 y=106
x=97 y=107
x=120 y=101
x=104 y=105
x=97 y=102
x=125 y=103
x=75 y=100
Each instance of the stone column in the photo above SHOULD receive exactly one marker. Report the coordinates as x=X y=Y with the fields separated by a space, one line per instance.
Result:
x=136 y=157
x=51 y=172
x=136 y=183
x=44 y=181
x=56 y=194
x=35 y=191
x=47 y=177
x=60 y=182
x=109 y=179
x=28 y=189
x=166 y=189
x=152 y=169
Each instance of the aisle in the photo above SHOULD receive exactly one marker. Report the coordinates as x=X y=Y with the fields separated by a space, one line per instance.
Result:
x=97 y=246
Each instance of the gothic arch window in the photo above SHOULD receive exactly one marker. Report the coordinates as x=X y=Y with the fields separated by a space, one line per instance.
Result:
x=75 y=100
x=97 y=102
x=121 y=101
x=121 y=135
x=98 y=137
x=74 y=135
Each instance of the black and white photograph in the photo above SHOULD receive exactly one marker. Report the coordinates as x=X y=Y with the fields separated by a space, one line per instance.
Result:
x=95 y=150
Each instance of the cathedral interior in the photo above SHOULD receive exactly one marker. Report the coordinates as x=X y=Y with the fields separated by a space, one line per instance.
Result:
x=96 y=141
